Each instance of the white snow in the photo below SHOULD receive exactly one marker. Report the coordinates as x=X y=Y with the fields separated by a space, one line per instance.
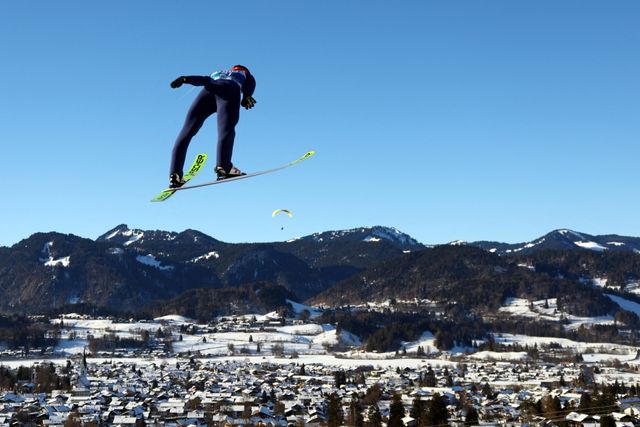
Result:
x=577 y=321
x=174 y=318
x=303 y=341
x=625 y=304
x=391 y=234
x=153 y=262
x=307 y=329
x=600 y=282
x=633 y=287
x=565 y=232
x=49 y=261
x=590 y=245
x=525 y=308
x=375 y=360
x=590 y=351
x=616 y=243
x=112 y=235
x=116 y=251
x=206 y=256
x=309 y=341
x=65 y=262
x=375 y=234
x=427 y=341
x=494 y=355
x=133 y=235
x=548 y=310
x=304 y=338
x=299 y=308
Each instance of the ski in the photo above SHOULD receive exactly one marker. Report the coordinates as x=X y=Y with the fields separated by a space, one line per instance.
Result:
x=249 y=175
x=193 y=171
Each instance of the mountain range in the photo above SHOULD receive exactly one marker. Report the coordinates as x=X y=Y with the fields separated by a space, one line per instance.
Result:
x=565 y=239
x=191 y=273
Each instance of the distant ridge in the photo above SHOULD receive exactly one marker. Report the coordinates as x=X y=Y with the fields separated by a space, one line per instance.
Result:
x=126 y=269
x=564 y=239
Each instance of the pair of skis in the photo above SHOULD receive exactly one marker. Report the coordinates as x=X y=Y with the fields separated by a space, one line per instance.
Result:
x=197 y=165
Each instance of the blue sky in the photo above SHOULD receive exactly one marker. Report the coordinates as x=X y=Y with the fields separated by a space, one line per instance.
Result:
x=456 y=119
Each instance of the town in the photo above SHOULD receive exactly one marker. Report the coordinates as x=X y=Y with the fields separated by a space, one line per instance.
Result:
x=271 y=371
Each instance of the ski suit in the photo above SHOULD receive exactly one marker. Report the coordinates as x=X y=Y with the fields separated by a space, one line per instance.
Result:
x=221 y=94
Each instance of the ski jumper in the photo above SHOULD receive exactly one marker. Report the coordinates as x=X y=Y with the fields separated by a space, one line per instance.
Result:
x=221 y=94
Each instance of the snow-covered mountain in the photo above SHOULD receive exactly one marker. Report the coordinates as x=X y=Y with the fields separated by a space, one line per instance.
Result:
x=124 y=236
x=564 y=239
x=370 y=234
x=126 y=268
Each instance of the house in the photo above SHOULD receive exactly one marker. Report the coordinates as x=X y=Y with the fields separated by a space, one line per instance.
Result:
x=124 y=421
x=575 y=419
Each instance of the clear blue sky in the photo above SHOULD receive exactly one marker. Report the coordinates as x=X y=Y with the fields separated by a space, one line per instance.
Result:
x=446 y=119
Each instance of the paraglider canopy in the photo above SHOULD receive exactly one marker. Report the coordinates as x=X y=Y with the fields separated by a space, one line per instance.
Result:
x=277 y=211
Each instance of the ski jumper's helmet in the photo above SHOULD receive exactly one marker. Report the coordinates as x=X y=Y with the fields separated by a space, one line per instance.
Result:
x=250 y=83
x=240 y=68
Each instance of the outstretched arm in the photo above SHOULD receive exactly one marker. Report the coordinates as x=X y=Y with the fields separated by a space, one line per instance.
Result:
x=192 y=80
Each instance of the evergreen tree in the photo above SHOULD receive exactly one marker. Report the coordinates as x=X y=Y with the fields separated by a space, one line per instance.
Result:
x=449 y=380
x=417 y=408
x=437 y=413
x=607 y=421
x=487 y=390
x=471 y=419
x=355 y=417
x=586 y=404
x=375 y=418
x=615 y=389
x=430 y=379
x=606 y=401
x=550 y=406
x=335 y=417
x=373 y=394
x=340 y=378
x=396 y=411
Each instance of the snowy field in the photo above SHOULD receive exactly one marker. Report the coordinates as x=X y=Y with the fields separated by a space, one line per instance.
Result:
x=322 y=359
x=241 y=338
x=591 y=352
x=547 y=309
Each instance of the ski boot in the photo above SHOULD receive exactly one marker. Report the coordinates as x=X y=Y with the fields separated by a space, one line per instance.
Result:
x=223 y=174
x=176 y=181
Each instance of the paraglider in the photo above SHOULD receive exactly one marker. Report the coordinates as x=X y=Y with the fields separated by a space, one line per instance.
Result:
x=277 y=211
x=285 y=211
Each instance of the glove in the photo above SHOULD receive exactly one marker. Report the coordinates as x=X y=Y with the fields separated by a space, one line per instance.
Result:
x=248 y=102
x=178 y=82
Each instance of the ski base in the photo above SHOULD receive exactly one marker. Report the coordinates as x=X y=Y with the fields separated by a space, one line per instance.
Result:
x=249 y=175
x=193 y=171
